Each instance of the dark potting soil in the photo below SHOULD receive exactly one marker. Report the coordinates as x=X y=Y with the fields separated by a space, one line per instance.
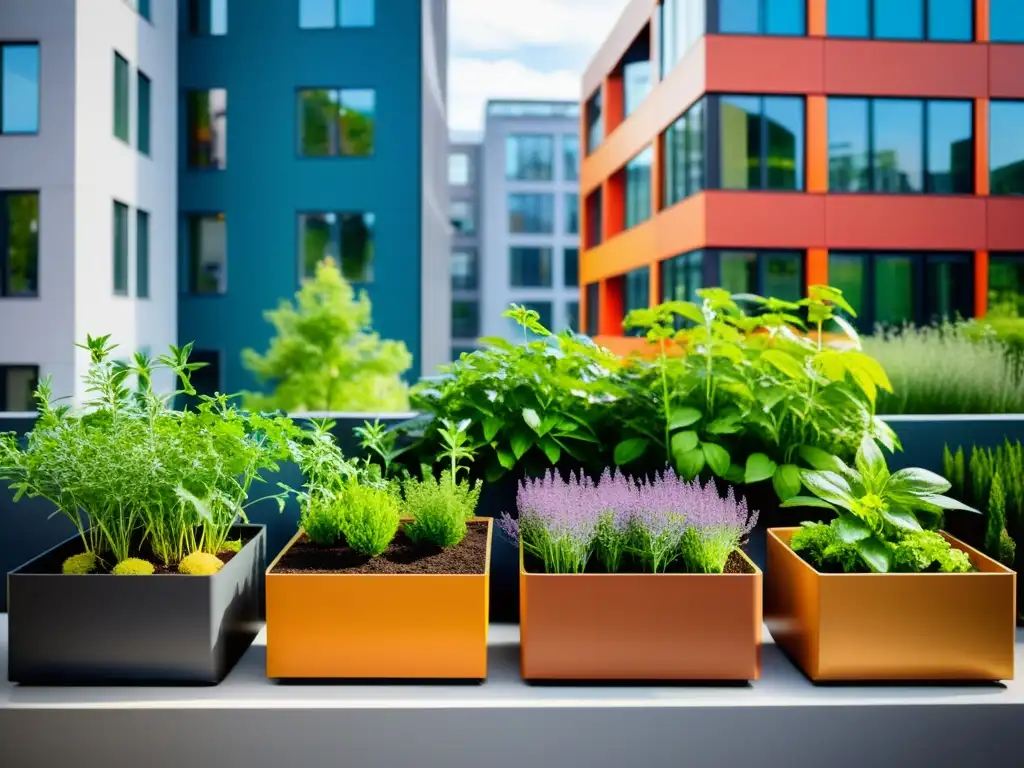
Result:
x=401 y=556
x=735 y=564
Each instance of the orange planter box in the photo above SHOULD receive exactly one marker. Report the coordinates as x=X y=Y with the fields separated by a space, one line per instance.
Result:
x=893 y=626
x=379 y=626
x=664 y=626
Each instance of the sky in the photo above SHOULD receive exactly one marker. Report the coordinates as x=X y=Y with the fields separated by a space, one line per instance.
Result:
x=508 y=49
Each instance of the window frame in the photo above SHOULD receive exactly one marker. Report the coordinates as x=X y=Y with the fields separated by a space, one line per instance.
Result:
x=512 y=139
x=121 y=257
x=474 y=308
x=925 y=27
x=453 y=155
x=713 y=147
x=190 y=282
x=192 y=146
x=991 y=125
x=192 y=20
x=118 y=59
x=593 y=118
x=714 y=21
x=336 y=231
x=541 y=251
x=5 y=267
x=549 y=196
x=713 y=265
x=143 y=117
x=704 y=104
x=472 y=283
x=338 y=15
x=566 y=251
x=5 y=368
x=339 y=90
x=4 y=44
x=142 y=253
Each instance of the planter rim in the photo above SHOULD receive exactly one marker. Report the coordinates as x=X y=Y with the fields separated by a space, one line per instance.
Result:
x=996 y=568
x=19 y=571
x=746 y=559
x=343 y=574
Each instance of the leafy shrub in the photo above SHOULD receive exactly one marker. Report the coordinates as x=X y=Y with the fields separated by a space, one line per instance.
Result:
x=133 y=566
x=877 y=516
x=200 y=564
x=323 y=519
x=81 y=563
x=370 y=517
x=439 y=508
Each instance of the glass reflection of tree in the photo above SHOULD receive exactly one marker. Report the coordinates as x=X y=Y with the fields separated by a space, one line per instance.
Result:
x=356 y=247
x=23 y=242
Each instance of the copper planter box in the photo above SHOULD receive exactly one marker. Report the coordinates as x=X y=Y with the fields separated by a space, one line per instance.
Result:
x=891 y=627
x=640 y=626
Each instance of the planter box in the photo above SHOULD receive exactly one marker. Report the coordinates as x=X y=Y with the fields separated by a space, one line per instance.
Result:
x=104 y=629
x=891 y=627
x=663 y=626
x=378 y=626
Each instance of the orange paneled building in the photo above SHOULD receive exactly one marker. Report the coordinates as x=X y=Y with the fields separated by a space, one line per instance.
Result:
x=767 y=145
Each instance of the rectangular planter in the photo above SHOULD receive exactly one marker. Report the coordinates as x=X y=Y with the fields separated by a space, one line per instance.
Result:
x=664 y=626
x=146 y=630
x=894 y=626
x=378 y=626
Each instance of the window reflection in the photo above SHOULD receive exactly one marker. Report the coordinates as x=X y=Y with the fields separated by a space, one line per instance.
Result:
x=947 y=20
x=684 y=155
x=595 y=122
x=335 y=122
x=531 y=213
x=1006 y=21
x=762 y=142
x=19 y=89
x=897 y=129
x=529 y=157
x=682 y=24
x=638 y=188
x=530 y=267
x=637 y=294
x=1006 y=147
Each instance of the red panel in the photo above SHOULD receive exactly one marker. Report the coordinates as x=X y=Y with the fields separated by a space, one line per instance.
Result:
x=612 y=306
x=614 y=102
x=744 y=64
x=981 y=283
x=867 y=67
x=1005 y=224
x=1006 y=80
x=904 y=222
x=765 y=220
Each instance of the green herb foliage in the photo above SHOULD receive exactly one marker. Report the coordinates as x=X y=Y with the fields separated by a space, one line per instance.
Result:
x=370 y=517
x=880 y=515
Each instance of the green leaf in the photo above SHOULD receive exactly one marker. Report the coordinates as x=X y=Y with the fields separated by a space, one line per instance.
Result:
x=830 y=487
x=684 y=441
x=684 y=417
x=689 y=310
x=871 y=463
x=867 y=386
x=734 y=475
x=551 y=449
x=784 y=363
x=945 y=502
x=727 y=425
x=532 y=419
x=915 y=481
x=506 y=458
x=630 y=450
x=806 y=501
x=901 y=518
x=850 y=529
x=521 y=442
x=875 y=554
x=495 y=470
x=492 y=425
x=717 y=458
x=690 y=463
x=760 y=467
x=823 y=461
x=786 y=481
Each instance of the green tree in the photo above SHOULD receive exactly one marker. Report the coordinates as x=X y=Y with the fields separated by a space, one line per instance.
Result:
x=324 y=356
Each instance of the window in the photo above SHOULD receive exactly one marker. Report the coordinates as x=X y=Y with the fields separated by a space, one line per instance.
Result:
x=121 y=97
x=207 y=17
x=142 y=254
x=464 y=269
x=684 y=155
x=572 y=316
x=120 y=249
x=762 y=17
x=682 y=276
x=144 y=10
x=595 y=122
x=465 y=319
x=336 y=122
x=637 y=294
x=775 y=274
x=571 y=156
x=326 y=14
x=207 y=115
x=571 y=267
x=636 y=78
x=458 y=169
x=530 y=267
x=207 y=253
x=901 y=146
x=345 y=238
x=1006 y=147
x=594 y=233
x=893 y=289
x=529 y=158
x=762 y=142
x=593 y=309
x=572 y=213
x=1006 y=282
x=531 y=213
x=144 y=113
x=945 y=20
x=17 y=385
x=462 y=217
x=543 y=308
x=19 y=88
x=1006 y=20
x=638 y=188
x=682 y=24
x=19 y=244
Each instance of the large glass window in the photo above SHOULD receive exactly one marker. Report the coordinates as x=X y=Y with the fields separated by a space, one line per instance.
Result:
x=531 y=213
x=207 y=253
x=1006 y=19
x=463 y=218
x=682 y=276
x=326 y=14
x=529 y=157
x=207 y=115
x=120 y=253
x=208 y=17
x=762 y=142
x=530 y=267
x=777 y=274
x=19 y=88
x=682 y=24
x=901 y=146
x=346 y=238
x=121 y=97
x=145 y=106
x=465 y=319
x=684 y=155
x=638 y=188
x=464 y=269
x=1006 y=147
x=572 y=213
x=458 y=169
x=636 y=83
x=19 y=244
x=572 y=316
x=337 y=122
x=762 y=17
x=595 y=122
x=142 y=254
x=571 y=267
x=571 y=156
x=145 y=11
x=946 y=20
x=1006 y=282
x=17 y=385
x=636 y=294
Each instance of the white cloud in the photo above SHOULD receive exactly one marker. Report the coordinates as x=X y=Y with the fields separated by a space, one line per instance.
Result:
x=473 y=81
x=505 y=25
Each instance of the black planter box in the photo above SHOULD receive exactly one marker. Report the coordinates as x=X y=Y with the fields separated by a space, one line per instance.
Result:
x=104 y=629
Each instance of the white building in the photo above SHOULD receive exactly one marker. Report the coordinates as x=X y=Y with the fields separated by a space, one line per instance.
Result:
x=88 y=186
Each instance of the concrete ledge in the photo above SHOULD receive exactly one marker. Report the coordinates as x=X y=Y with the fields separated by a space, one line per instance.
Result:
x=780 y=720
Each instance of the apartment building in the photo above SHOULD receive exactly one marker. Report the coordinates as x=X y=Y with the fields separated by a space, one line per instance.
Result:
x=171 y=170
x=869 y=144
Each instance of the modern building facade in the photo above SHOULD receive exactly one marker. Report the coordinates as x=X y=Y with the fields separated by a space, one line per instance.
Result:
x=131 y=205
x=873 y=145
x=464 y=181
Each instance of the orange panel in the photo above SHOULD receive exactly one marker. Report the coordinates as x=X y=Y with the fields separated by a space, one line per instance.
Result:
x=981 y=283
x=1005 y=231
x=612 y=307
x=858 y=67
x=981 y=21
x=817 y=144
x=817 y=18
x=624 y=346
x=657 y=174
x=745 y=64
x=765 y=220
x=905 y=222
x=1006 y=63
x=981 y=176
x=636 y=14
x=817 y=266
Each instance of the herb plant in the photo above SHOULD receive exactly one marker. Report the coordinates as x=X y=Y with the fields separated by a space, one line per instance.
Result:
x=885 y=520
x=370 y=517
